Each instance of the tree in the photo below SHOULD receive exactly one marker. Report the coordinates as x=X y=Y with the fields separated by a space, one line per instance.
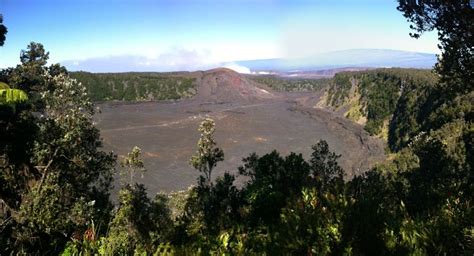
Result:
x=312 y=224
x=132 y=164
x=139 y=224
x=68 y=165
x=209 y=209
x=207 y=201
x=324 y=166
x=441 y=187
x=55 y=179
x=208 y=154
x=3 y=31
x=34 y=55
x=29 y=76
x=453 y=22
x=273 y=180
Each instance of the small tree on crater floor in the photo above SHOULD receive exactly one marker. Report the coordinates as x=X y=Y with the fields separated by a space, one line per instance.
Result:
x=208 y=154
x=132 y=164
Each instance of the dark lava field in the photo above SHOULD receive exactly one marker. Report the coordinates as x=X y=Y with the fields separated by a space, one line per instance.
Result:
x=249 y=118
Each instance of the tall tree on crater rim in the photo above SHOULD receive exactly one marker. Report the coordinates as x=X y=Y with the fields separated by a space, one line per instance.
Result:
x=453 y=20
x=3 y=31
x=54 y=177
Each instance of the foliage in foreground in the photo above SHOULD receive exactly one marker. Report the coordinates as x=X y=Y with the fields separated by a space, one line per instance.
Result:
x=55 y=180
x=292 y=206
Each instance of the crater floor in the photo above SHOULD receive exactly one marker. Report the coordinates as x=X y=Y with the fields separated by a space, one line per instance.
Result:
x=167 y=134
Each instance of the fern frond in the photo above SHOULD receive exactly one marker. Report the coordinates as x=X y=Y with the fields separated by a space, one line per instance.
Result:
x=12 y=96
x=4 y=86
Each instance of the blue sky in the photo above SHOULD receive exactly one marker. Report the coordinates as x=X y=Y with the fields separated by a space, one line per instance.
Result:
x=196 y=33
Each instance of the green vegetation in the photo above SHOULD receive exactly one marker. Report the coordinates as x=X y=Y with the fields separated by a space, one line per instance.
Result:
x=391 y=103
x=135 y=86
x=3 y=31
x=355 y=112
x=4 y=86
x=55 y=180
x=398 y=96
x=291 y=84
x=12 y=96
x=208 y=154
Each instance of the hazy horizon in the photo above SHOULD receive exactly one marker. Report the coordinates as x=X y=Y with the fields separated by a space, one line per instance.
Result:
x=200 y=34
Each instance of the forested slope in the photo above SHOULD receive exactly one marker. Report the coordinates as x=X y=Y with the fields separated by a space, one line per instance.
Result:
x=136 y=86
x=278 y=83
x=393 y=103
x=142 y=86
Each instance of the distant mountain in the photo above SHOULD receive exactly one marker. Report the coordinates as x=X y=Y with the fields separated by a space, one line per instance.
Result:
x=366 y=58
x=193 y=61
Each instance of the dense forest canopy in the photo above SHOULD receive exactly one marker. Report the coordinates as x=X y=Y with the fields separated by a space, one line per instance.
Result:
x=55 y=179
x=393 y=103
x=291 y=84
x=136 y=86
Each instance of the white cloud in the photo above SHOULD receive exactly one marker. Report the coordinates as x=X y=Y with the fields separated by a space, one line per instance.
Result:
x=237 y=68
x=181 y=59
x=175 y=59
